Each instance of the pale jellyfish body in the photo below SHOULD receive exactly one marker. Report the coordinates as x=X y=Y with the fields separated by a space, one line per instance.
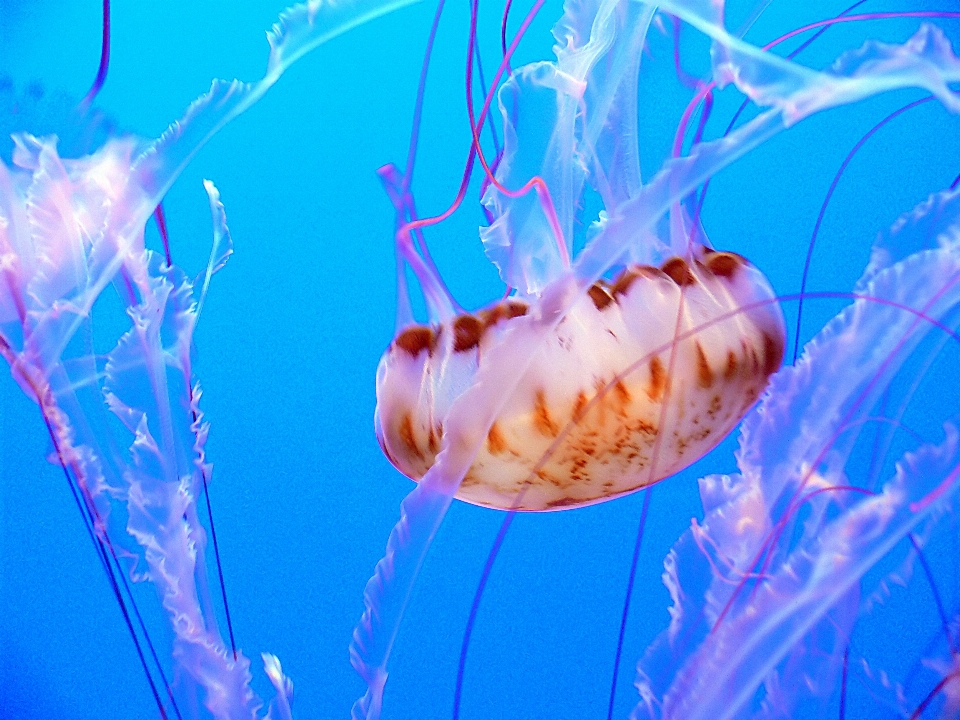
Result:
x=643 y=376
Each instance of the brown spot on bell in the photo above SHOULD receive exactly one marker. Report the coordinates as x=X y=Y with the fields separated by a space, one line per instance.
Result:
x=406 y=434
x=732 y=365
x=704 y=372
x=414 y=340
x=502 y=311
x=541 y=416
x=495 y=440
x=467 y=331
x=658 y=379
x=598 y=293
x=678 y=271
x=772 y=353
x=724 y=264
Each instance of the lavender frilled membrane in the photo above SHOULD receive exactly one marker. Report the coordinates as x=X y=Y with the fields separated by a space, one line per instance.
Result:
x=457 y=393
x=75 y=278
x=764 y=596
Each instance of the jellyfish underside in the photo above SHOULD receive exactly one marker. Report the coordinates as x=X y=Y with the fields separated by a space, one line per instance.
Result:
x=641 y=378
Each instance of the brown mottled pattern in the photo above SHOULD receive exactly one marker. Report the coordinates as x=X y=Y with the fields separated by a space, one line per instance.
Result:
x=541 y=416
x=579 y=405
x=502 y=311
x=678 y=271
x=772 y=353
x=467 y=331
x=598 y=293
x=598 y=442
x=622 y=393
x=603 y=436
x=704 y=372
x=716 y=405
x=415 y=340
x=621 y=286
x=408 y=438
x=658 y=379
x=495 y=441
x=731 y=369
x=724 y=264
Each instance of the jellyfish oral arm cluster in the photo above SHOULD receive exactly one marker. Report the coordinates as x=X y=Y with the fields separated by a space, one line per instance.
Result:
x=112 y=373
x=584 y=105
x=75 y=233
x=741 y=578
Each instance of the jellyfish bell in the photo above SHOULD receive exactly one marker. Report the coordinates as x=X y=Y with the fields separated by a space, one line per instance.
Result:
x=644 y=375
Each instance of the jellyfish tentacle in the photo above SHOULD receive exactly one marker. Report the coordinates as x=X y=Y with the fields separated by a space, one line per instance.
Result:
x=475 y=608
x=634 y=561
x=826 y=384
x=441 y=305
x=925 y=61
x=519 y=240
x=98 y=81
x=68 y=228
x=536 y=183
x=300 y=29
x=220 y=249
x=826 y=201
x=791 y=92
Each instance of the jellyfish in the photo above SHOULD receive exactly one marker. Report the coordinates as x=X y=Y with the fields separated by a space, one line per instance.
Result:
x=800 y=546
x=97 y=330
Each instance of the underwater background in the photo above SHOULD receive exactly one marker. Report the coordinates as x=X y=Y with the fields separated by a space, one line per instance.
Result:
x=293 y=328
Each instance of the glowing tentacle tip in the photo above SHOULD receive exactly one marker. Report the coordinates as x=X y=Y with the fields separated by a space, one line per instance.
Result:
x=283 y=702
x=642 y=377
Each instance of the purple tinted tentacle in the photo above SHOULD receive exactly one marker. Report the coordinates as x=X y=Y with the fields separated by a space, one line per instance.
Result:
x=398 y=186
x=104 y=60
x=299 y=29
x=392 y=184
x=626 y=600
x=161 y=221
x=388 y=591
x=216 y=554
x=696 y=236
x=94 y=523
x=826 y=201
x=843 y=684
x=745 y=103
x=813 y=38
x=503 y=27
x=90 y=523
x=683 y=76
x=704 y=116
x=483 y=93
x=475 y=608
x=918 y=712
x=440 y=302
x=418 y=107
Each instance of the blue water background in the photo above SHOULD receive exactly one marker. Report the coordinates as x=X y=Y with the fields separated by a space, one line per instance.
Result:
x=293 y=329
